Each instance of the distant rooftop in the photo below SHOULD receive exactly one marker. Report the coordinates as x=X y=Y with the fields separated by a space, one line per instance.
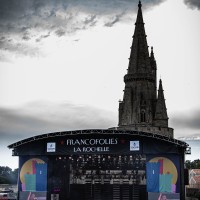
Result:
x=189 y=138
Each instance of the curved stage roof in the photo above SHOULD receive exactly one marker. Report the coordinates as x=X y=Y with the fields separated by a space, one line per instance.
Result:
x=98 y=131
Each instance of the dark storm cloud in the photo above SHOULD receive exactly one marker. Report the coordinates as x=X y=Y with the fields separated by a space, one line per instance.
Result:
x=18 y=47
x=38 y=118
x=186 y=120
x=50 y=13
x=193 y=3
x=115 y=19
x=42 y=37
x=60 y=32
x=29 y=19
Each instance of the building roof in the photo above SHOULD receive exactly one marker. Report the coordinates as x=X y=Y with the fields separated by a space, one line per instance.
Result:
x=195 y=180
x=195 y=171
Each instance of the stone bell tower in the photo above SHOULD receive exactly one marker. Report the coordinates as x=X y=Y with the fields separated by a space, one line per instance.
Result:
x=143 y=108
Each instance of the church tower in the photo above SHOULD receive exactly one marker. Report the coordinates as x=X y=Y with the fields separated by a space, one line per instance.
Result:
x=142 y=108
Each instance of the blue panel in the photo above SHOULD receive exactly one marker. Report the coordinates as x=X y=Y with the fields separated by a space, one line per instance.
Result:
x=41 y=176
x=153 y=170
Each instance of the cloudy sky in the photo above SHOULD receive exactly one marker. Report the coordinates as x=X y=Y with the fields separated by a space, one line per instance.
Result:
x=62 y=64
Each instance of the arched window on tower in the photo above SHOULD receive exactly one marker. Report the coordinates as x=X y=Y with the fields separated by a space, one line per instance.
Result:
x=143 y=116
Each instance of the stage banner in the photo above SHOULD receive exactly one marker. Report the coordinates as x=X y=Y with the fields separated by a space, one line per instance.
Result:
x=94 y=143
x=32 y=182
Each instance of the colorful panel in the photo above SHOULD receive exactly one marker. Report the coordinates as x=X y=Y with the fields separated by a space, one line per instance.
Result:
x=33 y=177
x=166 y=177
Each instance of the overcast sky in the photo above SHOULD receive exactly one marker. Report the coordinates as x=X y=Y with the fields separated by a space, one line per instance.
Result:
x=62 y=64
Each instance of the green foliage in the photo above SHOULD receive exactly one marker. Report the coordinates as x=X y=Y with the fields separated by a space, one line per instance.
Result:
x=4 y=180
x=7 y=176
x=192 y=164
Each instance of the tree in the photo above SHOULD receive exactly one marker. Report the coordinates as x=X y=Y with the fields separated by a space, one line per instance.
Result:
x=192 y=164
x=4 y=171
x=7 y=176
x=4 y=180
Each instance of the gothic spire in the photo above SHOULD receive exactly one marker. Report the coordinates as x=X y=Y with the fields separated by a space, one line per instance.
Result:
x=141 y=108
x=161 y=118
x=139 y=56
x=139 y=15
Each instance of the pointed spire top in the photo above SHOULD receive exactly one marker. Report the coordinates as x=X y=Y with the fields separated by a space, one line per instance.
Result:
x=161 y=117
x=152 y=59
x=139 y=59
x=152 y=54
x=139 y=4
x=160 y=85
x=139 y=15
